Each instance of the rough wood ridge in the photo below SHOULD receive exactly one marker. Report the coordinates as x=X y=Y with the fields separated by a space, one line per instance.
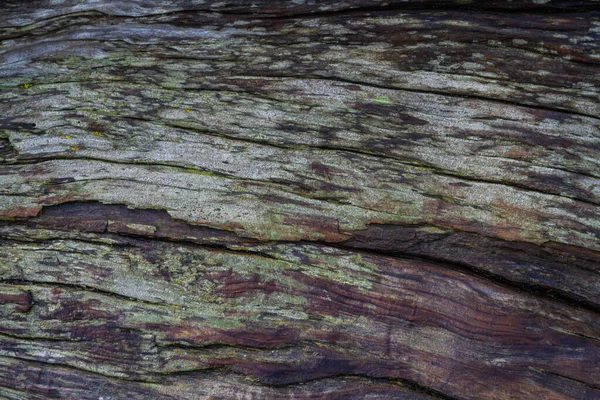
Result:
x=300 y=199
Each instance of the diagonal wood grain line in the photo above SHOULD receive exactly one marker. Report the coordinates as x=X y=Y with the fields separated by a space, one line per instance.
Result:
x=300 y=199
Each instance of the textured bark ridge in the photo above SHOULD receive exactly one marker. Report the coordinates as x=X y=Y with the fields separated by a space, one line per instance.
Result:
x=300 y=199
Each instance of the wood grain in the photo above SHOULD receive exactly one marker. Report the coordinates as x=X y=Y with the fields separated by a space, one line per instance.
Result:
x=300 y=199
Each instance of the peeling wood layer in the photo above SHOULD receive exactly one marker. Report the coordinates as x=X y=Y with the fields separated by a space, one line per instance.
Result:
x=300 y=199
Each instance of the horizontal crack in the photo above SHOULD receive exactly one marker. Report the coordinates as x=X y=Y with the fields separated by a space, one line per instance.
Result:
x=406 y=383
x=79 y=286
x=592 y=386
x=81 y=369
x=546 y=292
x=427 y=91
x=441 y=6
x=37 y=338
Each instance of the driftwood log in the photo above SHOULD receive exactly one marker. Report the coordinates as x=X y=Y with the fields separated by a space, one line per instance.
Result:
x=260 y=199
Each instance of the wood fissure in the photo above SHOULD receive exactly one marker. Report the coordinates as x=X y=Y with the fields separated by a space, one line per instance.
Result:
x=300 y=199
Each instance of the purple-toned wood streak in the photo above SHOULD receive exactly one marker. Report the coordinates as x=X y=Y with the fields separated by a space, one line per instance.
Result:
x=300 y=199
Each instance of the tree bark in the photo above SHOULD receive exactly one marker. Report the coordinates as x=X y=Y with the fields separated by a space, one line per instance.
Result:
x=300 y=199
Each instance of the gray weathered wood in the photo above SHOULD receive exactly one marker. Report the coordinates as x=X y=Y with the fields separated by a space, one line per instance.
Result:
x=264 y=199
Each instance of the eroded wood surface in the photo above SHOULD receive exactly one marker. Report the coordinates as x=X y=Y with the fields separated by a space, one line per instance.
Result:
x=300 y=199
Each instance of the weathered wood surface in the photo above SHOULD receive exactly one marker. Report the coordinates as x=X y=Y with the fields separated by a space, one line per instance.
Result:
x=300 y=199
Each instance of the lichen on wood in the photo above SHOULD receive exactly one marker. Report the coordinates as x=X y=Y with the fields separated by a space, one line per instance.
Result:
x=300 y=199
